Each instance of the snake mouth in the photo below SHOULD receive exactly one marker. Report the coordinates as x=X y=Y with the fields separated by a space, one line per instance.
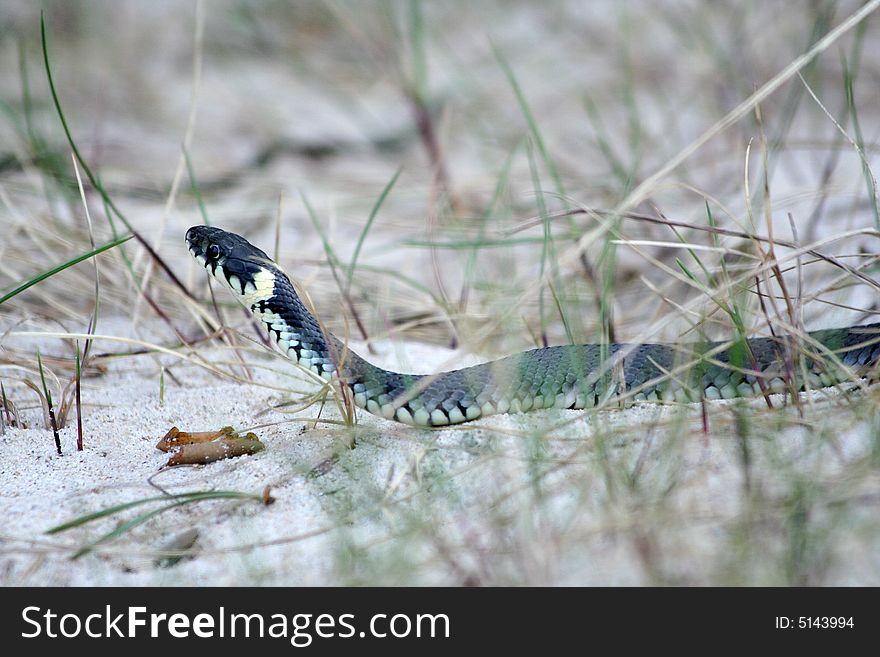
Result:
x=207 y=251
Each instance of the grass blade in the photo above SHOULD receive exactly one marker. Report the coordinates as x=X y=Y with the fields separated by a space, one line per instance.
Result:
x=363 y=235
x=144 y=517
x=192 y=496
x=51 y=408
x=79 y=424
x=65 y=265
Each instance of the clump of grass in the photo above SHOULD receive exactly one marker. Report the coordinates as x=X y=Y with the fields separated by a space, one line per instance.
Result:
x=9 y=414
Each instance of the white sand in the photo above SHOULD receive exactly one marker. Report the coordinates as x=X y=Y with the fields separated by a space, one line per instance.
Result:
x=461 y=482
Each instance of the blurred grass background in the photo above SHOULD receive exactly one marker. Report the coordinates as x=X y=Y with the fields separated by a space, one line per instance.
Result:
x=480 y=122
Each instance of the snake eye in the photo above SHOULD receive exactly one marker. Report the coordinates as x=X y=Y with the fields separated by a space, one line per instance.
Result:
x=213 y=252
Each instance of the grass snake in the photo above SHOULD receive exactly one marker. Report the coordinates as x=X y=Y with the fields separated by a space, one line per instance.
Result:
x=572 y=376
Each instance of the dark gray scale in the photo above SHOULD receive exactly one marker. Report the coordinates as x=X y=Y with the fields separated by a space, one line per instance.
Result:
x=644 y=363
x=768 y=353
x=452 y=387
x=856 y=347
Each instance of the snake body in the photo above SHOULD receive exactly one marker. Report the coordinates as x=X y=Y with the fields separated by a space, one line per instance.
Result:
x=572 y=377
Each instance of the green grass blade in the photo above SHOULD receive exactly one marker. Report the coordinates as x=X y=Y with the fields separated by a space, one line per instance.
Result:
x=530 y=119
x=419 y=80
x=94 y=179
x=50 y=409
x=469 y=244
x=55 y=270
x=124 y=527
x=81 y=520
x=190 y=496
x=870 y=181
x=144 y=517
x=363 y=235
x=196 y=188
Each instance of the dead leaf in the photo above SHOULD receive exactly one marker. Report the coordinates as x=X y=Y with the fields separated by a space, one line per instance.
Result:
x=207 y=452
x=175 y=437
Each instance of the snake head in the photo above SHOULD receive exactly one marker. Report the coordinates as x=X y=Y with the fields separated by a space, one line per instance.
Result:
x=229 y=257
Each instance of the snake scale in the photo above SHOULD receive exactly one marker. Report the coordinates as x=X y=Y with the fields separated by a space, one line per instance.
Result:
x=573 y=376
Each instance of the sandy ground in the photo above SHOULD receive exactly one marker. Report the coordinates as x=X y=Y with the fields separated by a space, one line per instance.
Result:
x=375 y=501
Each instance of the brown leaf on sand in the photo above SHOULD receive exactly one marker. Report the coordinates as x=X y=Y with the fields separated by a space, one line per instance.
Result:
x=175 y=437
x=199 y=447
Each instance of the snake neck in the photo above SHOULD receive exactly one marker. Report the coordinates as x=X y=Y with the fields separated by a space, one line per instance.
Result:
x=274 y=301
x=392 y=395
